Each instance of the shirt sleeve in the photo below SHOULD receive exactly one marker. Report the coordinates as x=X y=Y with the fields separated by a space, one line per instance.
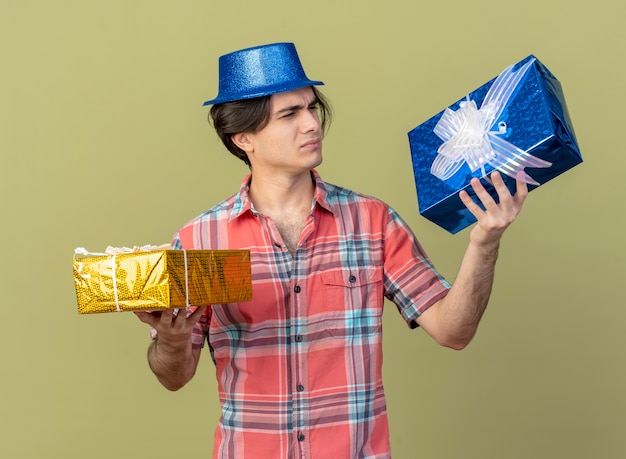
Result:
x=411 y=280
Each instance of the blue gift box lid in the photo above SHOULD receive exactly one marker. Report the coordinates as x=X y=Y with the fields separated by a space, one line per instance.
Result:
x=517 y=123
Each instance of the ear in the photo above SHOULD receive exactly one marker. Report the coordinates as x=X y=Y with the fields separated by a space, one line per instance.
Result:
x=243 y=141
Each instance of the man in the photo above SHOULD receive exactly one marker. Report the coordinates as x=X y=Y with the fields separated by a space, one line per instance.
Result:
x=299 y=367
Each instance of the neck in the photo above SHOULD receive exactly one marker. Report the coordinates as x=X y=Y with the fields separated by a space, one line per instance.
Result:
x=279 y=194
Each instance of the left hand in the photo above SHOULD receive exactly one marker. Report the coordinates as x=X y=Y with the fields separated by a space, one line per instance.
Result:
x=496 y=218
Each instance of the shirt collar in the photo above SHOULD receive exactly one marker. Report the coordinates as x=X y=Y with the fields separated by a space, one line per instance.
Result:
x=243 y=204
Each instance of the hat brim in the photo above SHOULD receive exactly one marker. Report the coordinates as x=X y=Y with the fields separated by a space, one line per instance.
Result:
x=261 y=92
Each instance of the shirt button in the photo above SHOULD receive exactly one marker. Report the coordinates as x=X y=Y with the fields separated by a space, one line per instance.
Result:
x=297 y=289
x=299 y=387
x=352 y=278
x=298 y=338
x=300 y=437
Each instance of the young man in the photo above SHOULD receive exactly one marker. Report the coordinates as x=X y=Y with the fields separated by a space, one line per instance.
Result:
x=299 y=367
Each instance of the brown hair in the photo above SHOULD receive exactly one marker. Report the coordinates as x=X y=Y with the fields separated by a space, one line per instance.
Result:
x=252 y=115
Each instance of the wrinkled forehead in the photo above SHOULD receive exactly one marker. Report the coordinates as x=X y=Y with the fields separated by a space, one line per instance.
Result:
x=302 y=97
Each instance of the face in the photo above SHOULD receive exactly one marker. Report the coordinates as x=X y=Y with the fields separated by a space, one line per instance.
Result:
x=292 y=139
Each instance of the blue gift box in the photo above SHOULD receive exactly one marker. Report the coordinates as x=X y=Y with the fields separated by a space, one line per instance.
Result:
x=516 y=123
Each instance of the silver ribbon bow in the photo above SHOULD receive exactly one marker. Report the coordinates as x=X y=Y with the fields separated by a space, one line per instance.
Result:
x=469 y=136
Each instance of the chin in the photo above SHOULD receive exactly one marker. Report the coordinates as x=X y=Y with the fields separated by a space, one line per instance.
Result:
x=317 y=161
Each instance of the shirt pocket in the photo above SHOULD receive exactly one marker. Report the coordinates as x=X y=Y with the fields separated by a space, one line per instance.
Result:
x=353 y=301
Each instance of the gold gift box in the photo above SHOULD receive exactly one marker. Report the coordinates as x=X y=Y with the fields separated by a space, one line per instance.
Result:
x=161 y=279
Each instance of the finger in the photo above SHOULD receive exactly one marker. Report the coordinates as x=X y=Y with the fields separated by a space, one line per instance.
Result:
x=481 y=192
x=504 y=194
x=149 y=318
x=182 y=319
x=521 y=189
x=195 y=315
x=483 y=195
x=499 y=185
x=469 y=203
x=167 y=317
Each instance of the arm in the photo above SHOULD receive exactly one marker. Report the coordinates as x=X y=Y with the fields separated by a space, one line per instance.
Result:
x=453 y=320
x=171 y=356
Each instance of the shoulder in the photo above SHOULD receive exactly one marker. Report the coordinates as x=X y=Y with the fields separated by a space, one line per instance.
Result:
x=220 y=211
x=338 y=195
x=348 y=204
x=195 y=231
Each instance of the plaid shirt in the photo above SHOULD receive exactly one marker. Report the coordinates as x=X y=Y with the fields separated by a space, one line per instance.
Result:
x=299 y=367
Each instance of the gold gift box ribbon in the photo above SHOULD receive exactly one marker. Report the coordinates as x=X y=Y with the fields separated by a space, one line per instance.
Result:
x=161 y=279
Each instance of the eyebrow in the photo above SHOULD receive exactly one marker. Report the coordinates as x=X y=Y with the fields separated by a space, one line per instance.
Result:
x=296 y=107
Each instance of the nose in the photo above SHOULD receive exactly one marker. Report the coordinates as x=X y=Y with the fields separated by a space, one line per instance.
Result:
x=310 y=121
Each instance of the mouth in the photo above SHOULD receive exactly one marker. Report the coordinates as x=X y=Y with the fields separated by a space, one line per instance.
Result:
x=313 y=143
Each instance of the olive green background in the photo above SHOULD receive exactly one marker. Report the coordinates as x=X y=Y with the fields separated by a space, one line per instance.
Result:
x=103 y=141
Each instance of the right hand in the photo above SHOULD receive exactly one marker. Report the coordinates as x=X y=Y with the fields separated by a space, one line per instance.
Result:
x=173 y=330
